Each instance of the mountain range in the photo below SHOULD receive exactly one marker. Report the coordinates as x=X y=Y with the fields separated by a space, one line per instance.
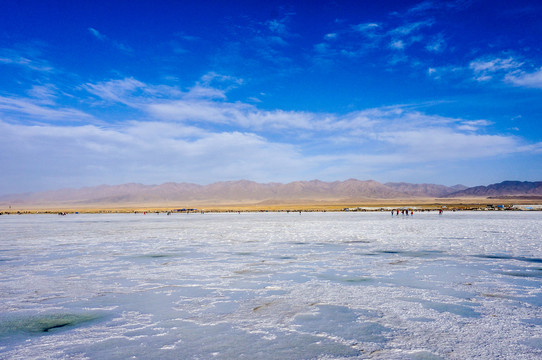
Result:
x=249 y=192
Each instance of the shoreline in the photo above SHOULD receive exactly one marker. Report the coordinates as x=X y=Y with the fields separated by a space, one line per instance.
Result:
x=473 y=204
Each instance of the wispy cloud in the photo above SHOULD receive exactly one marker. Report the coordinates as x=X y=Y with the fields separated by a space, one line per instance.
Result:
x=97 y=34
x=381 y=126
x=130 y=92
x=484 y=69
x=115 y=90
x=408 y=34
x=213 y=79
x=431 y=7
x=367 y=29
x=148 y=152
x=13 y=57
x=437 y=44
x=410 y=28
x=37 y=111
x=474 y=125
x=154 y=151
x=278 y=26
x=397 y=44
x=423 y=7
x=45 y=94
x=531 y=80
x=376 y=39
x=512 y=70
x=198 y=134
x=136 y=94
x=205 y=104
x=101 y=37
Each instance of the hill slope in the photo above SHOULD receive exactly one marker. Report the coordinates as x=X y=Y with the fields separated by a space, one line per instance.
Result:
x=505 y=188
x=242 y=191
x=247 y=192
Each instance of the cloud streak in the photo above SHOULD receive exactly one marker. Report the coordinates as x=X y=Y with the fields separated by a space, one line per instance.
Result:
x=530 y=80
x=32 y=109
x=101 y=37
x=16 y=58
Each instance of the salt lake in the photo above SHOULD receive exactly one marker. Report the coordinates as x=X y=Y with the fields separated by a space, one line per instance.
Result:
x=333 y=285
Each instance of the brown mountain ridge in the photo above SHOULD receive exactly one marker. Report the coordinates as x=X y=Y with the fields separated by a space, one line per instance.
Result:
x=245 y=191
x=503 y=189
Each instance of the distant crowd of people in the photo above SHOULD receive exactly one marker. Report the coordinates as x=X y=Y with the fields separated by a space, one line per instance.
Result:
x=407 y=212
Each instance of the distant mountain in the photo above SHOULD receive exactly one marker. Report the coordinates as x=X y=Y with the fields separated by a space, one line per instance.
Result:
x=425 y=190
x=503 y=189
x=250 y=192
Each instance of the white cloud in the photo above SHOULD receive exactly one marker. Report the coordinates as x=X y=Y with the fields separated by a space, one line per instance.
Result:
x=433 y=73
x=131 y=92
x=509 y=70
x=241 y=115
x=52 y=156
x=366 y=28
x=484 y=69
x=531 y=80
x=397 y=44
x=382 y=126
x=208 y=92
x=532 y=148
x=432 y=144
x=406 y=35
x=474 y=125
x=397 y=131
x=193 y=110
x=57 y=156
x=136 y=94
x=492 y=65
x=361 y=39
x=39 y=111
x=116 y=90
x=198 y=135
x=45 y=94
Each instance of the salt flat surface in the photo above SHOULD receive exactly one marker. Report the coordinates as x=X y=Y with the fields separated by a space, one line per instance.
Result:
x=271 y=286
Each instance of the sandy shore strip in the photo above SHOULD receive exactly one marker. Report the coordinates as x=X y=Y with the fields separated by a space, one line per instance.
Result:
x=316 y=206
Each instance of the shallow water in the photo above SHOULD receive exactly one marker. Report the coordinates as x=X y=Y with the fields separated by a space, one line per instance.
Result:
x=271 y=286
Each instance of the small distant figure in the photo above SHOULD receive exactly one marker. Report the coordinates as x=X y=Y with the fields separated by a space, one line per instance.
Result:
x=392 y=212
x=440 y=211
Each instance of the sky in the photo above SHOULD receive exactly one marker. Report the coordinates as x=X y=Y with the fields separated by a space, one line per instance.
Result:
x=113 y=92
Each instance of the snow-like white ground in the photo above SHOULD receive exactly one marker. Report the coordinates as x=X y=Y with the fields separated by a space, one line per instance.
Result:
x=272 y=286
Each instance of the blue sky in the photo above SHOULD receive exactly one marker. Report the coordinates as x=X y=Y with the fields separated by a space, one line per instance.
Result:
x=110 y=92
